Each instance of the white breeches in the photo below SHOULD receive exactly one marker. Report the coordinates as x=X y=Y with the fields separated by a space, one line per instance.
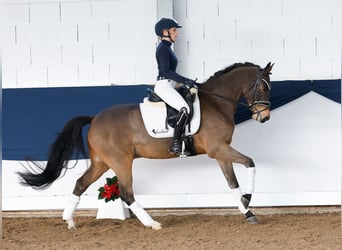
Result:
x=166 y=90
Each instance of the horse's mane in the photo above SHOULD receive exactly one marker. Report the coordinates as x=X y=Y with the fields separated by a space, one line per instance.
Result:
x=231 y=67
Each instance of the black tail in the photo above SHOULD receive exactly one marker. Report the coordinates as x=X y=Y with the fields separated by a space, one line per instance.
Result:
x=68 y=142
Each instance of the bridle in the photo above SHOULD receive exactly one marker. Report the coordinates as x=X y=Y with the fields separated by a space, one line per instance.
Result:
x=256 y=88
x=256 y=102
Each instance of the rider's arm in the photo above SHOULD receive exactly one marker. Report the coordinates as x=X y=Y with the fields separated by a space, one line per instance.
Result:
x=165 y=67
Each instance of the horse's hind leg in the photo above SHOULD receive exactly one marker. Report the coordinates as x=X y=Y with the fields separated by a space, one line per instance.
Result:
x=243 y=200
x=124 y=174
x=89 y=177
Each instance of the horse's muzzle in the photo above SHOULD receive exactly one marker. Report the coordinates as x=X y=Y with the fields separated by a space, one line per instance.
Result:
x=265 y=119
x=261 y=114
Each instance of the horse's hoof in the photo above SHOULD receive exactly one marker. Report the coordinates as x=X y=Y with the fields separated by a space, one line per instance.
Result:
x=252 y=220
x=156 y=225
x=71 y=224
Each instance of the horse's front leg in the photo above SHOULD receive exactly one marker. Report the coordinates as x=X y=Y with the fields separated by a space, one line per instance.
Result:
x=243 y=200
x=237 y=157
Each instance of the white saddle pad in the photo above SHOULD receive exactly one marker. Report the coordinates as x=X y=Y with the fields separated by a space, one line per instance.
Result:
x=154 y=117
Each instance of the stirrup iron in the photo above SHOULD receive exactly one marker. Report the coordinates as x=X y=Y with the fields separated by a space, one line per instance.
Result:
x=184 y=153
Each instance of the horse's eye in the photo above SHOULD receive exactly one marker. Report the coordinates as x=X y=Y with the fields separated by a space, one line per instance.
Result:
x=263 y=87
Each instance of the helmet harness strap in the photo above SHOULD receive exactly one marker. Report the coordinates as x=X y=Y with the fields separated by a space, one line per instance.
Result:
x=168 y=35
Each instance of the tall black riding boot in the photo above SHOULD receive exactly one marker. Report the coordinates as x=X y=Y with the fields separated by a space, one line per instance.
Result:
x=176 y=147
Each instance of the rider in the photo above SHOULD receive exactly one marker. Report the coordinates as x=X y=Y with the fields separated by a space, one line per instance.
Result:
x=166 y=30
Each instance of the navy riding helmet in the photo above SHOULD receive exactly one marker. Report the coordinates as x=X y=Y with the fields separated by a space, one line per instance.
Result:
x=165 y=24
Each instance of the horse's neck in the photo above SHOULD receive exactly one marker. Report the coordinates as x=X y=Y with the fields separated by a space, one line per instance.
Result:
x=228 y=86
x=225 y=91
x=221 y=96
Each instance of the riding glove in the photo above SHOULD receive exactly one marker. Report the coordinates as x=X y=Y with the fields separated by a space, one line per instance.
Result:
x=190 y=84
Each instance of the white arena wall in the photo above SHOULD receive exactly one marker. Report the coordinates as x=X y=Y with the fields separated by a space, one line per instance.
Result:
x=302 y=38
x=76 y=43
x=47 y=43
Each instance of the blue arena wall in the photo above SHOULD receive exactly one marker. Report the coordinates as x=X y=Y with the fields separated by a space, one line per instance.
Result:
x=32 y=117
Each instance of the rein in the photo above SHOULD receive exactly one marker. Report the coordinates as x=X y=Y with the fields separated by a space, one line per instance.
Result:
x=224 y=98
x=249 y=106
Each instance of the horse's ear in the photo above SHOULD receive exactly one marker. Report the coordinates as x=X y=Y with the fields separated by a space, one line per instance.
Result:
x=268 y=68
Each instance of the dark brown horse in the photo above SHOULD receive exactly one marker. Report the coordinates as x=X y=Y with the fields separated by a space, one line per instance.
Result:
x=117 y=136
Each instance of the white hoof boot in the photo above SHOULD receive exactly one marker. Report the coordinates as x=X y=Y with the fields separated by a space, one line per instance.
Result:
x=69 y=210
x=144 y=217
x=156 y=225
x=71 y=224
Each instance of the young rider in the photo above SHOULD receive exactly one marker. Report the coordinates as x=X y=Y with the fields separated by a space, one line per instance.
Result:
x=166 y=30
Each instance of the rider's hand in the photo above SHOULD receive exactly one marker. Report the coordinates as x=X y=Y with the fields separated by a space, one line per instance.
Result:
x=190 y=84
x=194 y=90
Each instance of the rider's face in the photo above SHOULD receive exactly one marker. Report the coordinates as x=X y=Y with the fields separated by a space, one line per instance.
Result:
x=173 y=33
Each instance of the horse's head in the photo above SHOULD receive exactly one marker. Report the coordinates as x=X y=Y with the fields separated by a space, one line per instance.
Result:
x=258 y=96
x=255 y=87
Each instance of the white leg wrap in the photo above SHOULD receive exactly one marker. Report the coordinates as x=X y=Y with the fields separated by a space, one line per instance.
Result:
x=250 y=180
x=142 y=215
x=71 y=207
x=237 y=193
